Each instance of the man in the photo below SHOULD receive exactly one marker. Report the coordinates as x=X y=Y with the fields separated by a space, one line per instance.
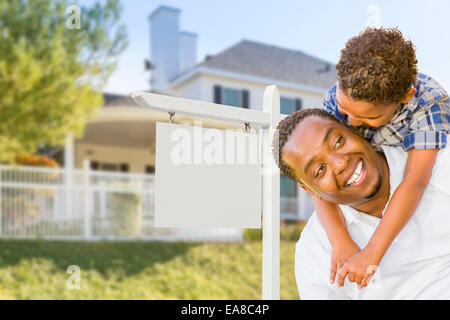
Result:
x=335 y=163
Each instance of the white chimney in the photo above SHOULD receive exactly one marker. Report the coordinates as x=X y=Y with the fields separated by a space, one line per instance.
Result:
x=164 y=46
x=171 y=51
x=188 y=47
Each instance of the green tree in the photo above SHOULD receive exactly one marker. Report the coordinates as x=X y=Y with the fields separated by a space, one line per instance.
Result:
x=51 y=74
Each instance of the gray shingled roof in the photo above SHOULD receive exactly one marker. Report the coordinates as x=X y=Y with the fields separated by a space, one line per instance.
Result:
x=268 y=61
x=113 y=100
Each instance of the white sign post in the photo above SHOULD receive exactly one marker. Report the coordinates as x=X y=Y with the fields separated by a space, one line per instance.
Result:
x=271 y=202
x=245 y=182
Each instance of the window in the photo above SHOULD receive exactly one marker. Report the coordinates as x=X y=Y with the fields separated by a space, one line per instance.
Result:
x=245 y=98
x=286 y=106
x=105 y=166
x=94 y=165
x=149 y=169
x=231 y=97
x=288 y=198
x=218 y=94
x=289 y=105
x=108 y=167
x=288 y=187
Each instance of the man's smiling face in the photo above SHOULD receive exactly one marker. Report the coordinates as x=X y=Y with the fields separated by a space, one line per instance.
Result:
x=333 y=161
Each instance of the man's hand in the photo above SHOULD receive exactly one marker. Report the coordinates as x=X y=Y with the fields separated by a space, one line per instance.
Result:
x=341 y=253
x=359 y=268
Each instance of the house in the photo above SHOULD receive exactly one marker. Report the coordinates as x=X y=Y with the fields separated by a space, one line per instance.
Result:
x=122 y=136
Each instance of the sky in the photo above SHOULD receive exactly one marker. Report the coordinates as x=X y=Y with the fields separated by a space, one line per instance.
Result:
x=316 y=27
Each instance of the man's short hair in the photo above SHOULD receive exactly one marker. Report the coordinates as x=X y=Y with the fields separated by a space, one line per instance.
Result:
x=285 y=128
x=377 y=66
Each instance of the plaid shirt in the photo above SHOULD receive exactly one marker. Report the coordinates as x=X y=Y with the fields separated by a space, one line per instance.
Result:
x=422 y=123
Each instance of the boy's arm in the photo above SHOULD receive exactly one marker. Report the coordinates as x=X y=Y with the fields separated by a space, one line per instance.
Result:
x=405 y=199
x=401 y=207
x=332 y=220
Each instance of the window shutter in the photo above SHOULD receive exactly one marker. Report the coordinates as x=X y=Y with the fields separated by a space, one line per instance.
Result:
x=298 y=104
x=94 y=165
x=217 y=94
x=124 y=167
x=245 y=99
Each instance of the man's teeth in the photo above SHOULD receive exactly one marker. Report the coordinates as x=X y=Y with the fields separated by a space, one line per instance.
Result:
x=356 y=176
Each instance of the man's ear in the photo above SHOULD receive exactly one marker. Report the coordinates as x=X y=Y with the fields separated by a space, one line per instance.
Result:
x=409 y=95
x=309 y=190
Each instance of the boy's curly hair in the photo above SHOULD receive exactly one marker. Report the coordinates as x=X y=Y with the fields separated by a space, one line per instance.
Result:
x=378 y=66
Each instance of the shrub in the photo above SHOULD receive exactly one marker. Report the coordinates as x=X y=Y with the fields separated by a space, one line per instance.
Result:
x=36 y=160
x=126 y=213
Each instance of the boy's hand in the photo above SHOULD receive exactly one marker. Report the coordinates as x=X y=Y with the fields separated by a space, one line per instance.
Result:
x=340 y=254
x=359 y=268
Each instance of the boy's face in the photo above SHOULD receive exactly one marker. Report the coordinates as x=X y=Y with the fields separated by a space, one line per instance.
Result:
x=363 y=113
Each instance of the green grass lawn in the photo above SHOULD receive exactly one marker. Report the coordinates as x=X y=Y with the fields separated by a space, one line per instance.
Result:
x=139 y=270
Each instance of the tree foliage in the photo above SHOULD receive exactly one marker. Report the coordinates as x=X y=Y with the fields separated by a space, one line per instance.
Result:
x=51 y=76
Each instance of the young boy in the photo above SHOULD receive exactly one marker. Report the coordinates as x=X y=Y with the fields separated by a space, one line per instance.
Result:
x=380 y=93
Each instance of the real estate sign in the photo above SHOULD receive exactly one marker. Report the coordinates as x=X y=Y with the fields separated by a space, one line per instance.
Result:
x=207 y=177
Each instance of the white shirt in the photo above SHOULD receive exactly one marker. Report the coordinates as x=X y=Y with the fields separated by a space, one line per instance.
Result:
x=417 y=264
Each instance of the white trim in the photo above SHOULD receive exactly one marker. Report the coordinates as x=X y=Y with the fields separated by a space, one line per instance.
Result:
x=35 y=168
x=87 y=214
x=271 y=202
x=239 y=76
x=69 y=167
x=202 y=109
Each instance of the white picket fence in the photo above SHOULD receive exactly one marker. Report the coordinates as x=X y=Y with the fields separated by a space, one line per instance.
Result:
x=82 y=204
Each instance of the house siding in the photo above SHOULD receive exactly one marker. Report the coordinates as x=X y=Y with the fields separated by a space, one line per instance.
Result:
x=201 y=88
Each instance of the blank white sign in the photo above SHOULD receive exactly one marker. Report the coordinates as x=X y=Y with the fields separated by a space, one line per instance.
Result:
x=206 y=178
